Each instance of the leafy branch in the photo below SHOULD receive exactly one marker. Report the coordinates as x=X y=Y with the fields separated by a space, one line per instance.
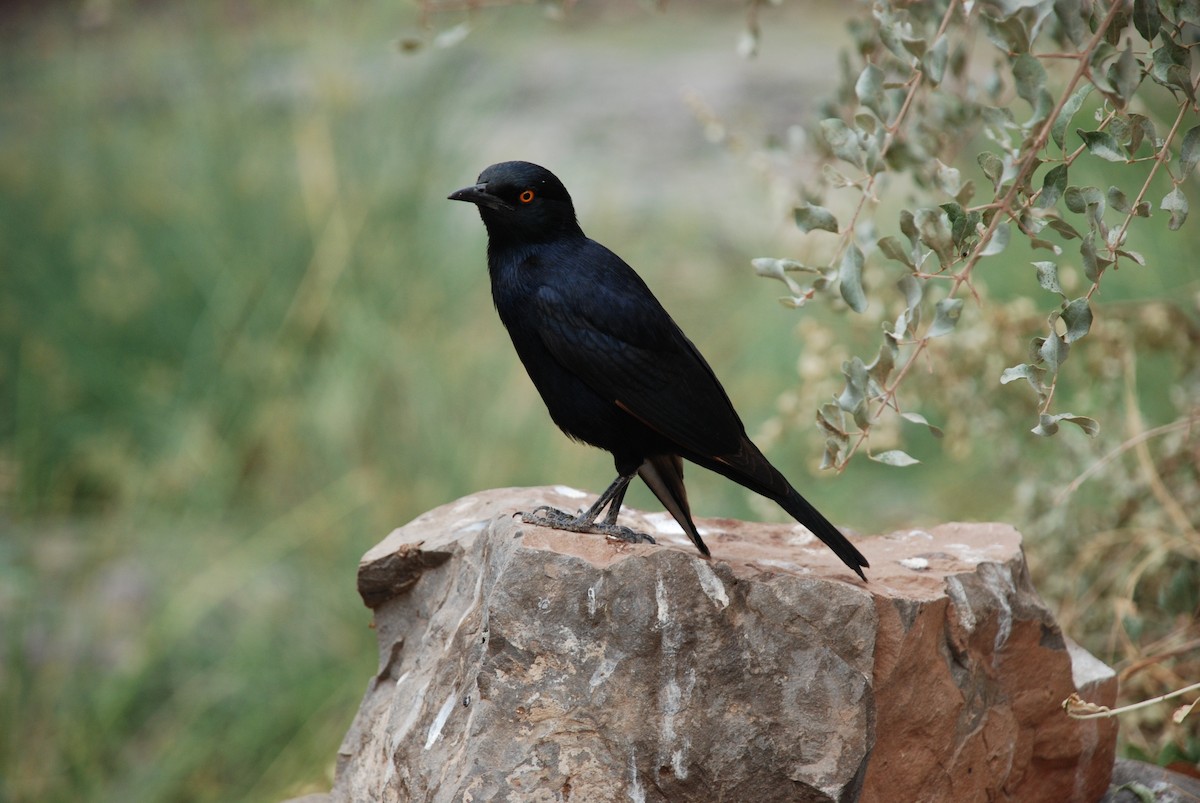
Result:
x=905 y=112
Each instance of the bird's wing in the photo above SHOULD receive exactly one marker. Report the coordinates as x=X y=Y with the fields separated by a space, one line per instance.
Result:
x=618 y=339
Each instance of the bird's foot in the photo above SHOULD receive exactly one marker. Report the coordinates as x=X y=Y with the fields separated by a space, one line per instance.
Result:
x=546 y=516
x=616 y=532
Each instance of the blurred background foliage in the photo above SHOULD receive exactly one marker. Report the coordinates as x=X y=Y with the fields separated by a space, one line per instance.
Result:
x=242 y=336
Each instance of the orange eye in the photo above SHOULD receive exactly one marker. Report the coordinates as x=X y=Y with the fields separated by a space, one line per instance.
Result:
x=526 y=196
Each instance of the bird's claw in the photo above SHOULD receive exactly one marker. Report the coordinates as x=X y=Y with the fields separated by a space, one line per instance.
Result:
x=546 y=516
x=555 y=519
x=616 y=532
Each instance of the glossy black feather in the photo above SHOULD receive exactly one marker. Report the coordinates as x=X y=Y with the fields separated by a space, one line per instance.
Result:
x=612 y=367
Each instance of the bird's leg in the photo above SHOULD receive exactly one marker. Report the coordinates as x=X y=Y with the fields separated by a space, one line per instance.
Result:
x=613 y=496
x=615 y=501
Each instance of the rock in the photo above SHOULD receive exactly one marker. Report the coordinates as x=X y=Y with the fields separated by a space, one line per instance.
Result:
x=1133 y=780
x=525 y=664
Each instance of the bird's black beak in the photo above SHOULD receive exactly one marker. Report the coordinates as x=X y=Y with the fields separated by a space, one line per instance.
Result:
x=477 y=194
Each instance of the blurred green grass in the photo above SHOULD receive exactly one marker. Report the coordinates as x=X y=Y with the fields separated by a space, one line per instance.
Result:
x=242 y=336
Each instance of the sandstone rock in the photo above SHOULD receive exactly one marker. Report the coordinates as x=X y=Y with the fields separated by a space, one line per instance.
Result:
x=525 y=664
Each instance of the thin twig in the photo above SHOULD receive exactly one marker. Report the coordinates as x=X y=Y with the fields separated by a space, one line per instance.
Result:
x=1183 y=423
x=1138 y=666
x=1078 y=708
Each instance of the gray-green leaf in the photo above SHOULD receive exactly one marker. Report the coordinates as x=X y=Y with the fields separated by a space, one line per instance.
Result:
x=1064 y=228
x=935 y=231
x=917 y=418
x=850 y=276
x=895 y=457
x=1029 y=76
x=1102 y=144
x=1053 y=186
x=1093 y=265
x=1118 y=200
x=949 y=179
x=1176 y=203
x=1125 y=74
x=890 y=247
x=884 y=363
x=1189 y=152
x=1047 y=276
x=934 y=62
x=1071 y=16
x=1090 y=426
x=1048 y=424
x=992 y=167
x=1059 y=130
x=945 y=317
x=842 y=141
x=1054 y=351
x=773 y=268
x=853 y=398
x=1045 y=245
x=912 y=290
x=908 y=227
x=1078 y=317
x=1136 y=256
x=869 y=89
x=1146 y=18
x=1030 y=373
x=1007 y=32
x=830 y=420
x=997 y=242
x=809 y=217
x=1170 y=67
x=1078 y=199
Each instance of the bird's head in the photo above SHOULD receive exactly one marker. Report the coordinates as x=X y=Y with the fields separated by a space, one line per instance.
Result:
x=521 y=203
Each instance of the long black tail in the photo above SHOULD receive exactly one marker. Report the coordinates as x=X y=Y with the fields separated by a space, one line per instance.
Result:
x=750 y=468
x=664 y=475
x=822 y=528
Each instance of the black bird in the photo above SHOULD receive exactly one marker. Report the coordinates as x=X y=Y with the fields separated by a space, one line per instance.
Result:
x=611 y=365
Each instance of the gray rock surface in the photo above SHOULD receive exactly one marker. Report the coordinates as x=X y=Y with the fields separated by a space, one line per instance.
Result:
x=1132 y=781
x=525 y=664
